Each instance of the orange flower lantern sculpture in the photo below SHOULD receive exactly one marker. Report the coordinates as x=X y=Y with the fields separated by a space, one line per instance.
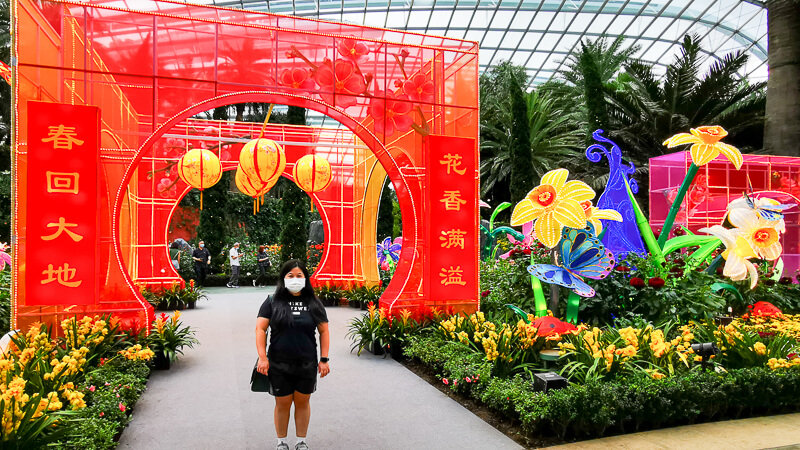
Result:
x=262 y=160
x=312 y=173
x=200 y=169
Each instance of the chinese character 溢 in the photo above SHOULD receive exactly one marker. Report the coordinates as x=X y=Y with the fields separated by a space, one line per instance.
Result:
x=452 y=276
x=62 y=228
x=453 y=162
x=62 y=137
x=63 y=275
x=452 y=238
x=62 y=182
x=452 y=200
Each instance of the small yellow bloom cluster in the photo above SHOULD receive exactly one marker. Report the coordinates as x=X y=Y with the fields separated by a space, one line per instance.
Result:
x=786 y=324
x=70 y=364
x=137 y=353
x=86 y=331
x=783 y=363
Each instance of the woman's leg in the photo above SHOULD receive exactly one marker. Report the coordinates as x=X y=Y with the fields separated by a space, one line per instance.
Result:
x=283 y=408
x=302 y=413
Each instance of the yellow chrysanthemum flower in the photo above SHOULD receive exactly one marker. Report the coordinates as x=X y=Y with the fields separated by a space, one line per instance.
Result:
x=706 y=145
x=554 y=204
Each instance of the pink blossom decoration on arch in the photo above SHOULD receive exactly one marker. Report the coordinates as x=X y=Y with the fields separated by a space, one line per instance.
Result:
x=341 y=80
x=353 y=50
x=419 y=88
x=297 y=78
x=392 y=114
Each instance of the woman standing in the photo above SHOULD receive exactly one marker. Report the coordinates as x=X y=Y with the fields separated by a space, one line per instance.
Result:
x=263 y=264
x=292 y=314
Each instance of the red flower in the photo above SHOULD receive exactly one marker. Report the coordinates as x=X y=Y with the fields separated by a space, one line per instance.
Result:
x=445 y=381
x=527 y=251
x=485 y=293
x=637 y=282
x=419 y=88
x=353 y=50
x=91 y=388
x=341 y=81
x=122 y=407
x=656 y=282
x=297 y=79
x=622 y=269
x=785 y=280
x=392 y=114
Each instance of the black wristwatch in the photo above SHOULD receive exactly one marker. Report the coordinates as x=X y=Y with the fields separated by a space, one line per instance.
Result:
x=323 y=359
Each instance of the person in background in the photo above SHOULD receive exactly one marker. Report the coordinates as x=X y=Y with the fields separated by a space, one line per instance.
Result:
x=263 y=264
x=292 y=316
x=175 y=255
x=202 y=258
x=234 y=256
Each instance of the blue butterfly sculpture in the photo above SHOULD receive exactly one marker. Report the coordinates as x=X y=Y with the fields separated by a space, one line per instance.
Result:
x=581 y=255
x=768 y=212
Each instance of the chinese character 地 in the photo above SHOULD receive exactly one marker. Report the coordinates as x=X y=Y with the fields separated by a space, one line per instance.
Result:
x=62 y=182
x=64 y=275
x=453 y=162
x=452 y=276
x=62 y=226
x=452 y=238
x=452 y=200
x=62 y=137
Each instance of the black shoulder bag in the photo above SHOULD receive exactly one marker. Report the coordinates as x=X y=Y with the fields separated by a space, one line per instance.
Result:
x=258 y=381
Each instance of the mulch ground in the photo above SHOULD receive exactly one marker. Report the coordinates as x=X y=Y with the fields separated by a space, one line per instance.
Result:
x=511 y=428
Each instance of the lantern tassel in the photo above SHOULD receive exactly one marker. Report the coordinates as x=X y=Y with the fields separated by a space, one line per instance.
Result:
x=201 y=200
x=264 y=127
x=254 y=207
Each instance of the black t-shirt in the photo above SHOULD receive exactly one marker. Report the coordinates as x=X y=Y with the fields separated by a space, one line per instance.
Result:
x=296 y=342
x=264 y=256
x=201 y=253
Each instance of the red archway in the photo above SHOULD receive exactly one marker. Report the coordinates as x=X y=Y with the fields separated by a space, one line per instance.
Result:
x=411 y=99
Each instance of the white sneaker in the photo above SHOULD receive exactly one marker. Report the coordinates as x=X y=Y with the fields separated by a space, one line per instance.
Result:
x=282 y=446
x=301 y=446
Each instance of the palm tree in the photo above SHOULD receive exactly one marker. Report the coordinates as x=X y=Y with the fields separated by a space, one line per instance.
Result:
x=646 y=110
x=551 y=139
x=782 y=131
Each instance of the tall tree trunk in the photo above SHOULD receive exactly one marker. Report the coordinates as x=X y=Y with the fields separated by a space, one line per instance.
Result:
x=782 y=130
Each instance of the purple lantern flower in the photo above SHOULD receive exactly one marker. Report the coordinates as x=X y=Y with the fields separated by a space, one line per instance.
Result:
x=389 y=252
x=527 y=230
x=5 y=258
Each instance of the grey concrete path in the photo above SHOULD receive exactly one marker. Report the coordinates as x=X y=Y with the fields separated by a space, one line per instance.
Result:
x=367 y=402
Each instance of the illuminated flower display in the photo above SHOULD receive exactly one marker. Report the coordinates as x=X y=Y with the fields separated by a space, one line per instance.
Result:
x=594 y=214
x=297 y=79
x=353 y=50
x=554 y=204
x=737 y=254
x=419 y=88
x=706 y=145
x=391 y=115
x=341 y=82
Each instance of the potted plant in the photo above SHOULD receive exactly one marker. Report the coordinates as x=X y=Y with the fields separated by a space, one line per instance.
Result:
x=167 y=339
x=370 y=331
x=400 y=328
x=192 y=294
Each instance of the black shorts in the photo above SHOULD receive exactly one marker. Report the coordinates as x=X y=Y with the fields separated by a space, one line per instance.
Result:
x=286 y=377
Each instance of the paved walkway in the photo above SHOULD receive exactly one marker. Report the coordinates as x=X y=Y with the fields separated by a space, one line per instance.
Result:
x=367 y=402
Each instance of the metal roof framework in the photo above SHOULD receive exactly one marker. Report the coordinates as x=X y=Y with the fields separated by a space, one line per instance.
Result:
x=540 y=34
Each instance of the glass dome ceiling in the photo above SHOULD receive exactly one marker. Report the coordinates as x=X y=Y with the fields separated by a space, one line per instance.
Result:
x=539 y=34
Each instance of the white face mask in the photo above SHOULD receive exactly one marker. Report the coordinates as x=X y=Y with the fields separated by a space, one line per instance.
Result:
x=294 y=285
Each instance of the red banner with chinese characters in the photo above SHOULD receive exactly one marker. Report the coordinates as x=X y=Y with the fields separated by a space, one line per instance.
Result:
x=62 y=204
x=453 y=201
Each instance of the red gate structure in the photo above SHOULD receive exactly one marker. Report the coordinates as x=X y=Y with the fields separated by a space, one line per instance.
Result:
x=117 y=83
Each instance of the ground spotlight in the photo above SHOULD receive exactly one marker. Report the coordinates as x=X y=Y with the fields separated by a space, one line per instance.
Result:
x=705 y=350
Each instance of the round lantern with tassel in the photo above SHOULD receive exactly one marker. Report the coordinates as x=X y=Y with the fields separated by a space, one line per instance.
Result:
x=248 y=187
x=201 y=169
x=312 y=173
x=262 y=160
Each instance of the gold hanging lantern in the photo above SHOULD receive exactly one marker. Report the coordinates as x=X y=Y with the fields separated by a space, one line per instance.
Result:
x=248 y=187
x=201 y=169
x=262 y=160
x=312 y=173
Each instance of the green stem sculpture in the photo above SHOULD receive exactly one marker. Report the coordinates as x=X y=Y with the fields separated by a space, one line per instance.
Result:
x=644 y=228
x=676 y=205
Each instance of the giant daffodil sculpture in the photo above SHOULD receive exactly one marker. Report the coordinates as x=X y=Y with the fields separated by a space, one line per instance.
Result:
x=737 y=254
x=553 y=205
x=706 y=146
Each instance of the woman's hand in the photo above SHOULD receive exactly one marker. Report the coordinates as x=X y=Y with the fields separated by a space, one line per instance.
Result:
x=263 y=366
x=324 y=369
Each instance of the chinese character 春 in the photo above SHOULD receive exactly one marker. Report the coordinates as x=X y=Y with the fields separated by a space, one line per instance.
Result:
x=62 y=228
x=62 y=137
x=63 y=275
x=452 y=238
x=452 y=276
x=62 y=182
x=452 y=200
x=453 y=162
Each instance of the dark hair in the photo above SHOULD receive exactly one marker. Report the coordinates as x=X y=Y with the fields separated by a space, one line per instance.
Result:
x=175 y=245
x=281 y=315
x=261 y=248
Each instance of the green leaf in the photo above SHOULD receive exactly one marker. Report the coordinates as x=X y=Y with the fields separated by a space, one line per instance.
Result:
x=686 y=241
x=728 y=287
x=500 y=207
